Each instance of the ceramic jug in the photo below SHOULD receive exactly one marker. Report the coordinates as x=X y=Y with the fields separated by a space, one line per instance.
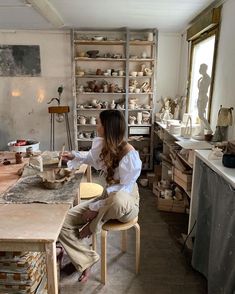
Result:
x=92 y=120
x=82 y=120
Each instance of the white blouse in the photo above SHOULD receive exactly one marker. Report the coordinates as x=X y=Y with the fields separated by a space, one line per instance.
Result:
x=127 y=172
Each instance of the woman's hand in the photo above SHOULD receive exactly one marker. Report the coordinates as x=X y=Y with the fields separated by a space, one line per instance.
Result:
x=88 y=215
x=66 y=156
x=85 y=231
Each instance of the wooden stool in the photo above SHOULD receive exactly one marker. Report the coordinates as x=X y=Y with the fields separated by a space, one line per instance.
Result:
x=90 y=190
x=114 y=225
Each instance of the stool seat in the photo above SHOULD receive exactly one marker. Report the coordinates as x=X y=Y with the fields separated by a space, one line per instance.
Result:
x=115 y=225
x=90 y=190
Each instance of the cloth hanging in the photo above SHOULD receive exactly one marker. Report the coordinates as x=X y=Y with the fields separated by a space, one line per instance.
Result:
x=225 y=117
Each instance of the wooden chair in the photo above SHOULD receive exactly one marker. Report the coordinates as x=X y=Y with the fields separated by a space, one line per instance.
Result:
x=114 y=225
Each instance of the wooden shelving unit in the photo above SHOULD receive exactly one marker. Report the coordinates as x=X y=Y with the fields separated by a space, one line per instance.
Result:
x=122 y=52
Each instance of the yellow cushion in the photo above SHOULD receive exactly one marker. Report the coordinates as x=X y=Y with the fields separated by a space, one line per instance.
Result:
x=90 y=190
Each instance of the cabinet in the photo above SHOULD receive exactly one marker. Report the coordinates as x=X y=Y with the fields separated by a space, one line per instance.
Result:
x=115 y=70
x=177 y=161
x=212 y=211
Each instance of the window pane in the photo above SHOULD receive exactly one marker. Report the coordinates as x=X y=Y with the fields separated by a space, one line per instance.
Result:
x=203 y=52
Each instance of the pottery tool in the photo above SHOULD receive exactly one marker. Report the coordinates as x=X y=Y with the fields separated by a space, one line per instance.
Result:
x=61 y=156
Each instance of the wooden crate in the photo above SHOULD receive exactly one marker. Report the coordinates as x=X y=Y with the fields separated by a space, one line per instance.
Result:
x=182 y=179
x=171 y=205
x=151 y=178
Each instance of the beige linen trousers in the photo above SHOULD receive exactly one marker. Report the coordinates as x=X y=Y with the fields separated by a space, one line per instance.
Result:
x=119 y=205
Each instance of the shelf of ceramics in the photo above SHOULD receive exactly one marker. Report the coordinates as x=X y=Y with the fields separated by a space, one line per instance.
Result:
x=98 y=59
x=98 y=76
x=91 y=42
x=141 y=43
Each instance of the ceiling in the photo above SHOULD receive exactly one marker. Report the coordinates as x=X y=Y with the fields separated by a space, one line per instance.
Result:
x=166 y=15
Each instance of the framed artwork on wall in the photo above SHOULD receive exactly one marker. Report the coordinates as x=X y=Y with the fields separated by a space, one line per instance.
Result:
x=20 y=60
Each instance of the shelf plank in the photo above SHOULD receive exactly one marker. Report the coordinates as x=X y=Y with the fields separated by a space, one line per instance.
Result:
x=141 y=42
x=147 y=93
x=140 y=125
x=99 y=76
x=86 y=125
x=93 y=109
x=141 y=59
x=100 y=93
x=98 y=59
x=94 y=42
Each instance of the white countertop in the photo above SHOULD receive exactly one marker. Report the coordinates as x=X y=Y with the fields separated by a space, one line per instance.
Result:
x=216 y=164
x=186 y=143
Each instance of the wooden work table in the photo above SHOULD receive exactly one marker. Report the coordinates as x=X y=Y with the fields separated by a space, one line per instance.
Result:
x=33 y=227
x=29 y=226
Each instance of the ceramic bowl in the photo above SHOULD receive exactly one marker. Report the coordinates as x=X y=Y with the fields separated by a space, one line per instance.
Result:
x=56 y=178
x=92 y=53
x=98 y=38
x=81 y=54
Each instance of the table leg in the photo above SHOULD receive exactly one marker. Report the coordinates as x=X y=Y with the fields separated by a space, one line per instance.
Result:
x=52 y=280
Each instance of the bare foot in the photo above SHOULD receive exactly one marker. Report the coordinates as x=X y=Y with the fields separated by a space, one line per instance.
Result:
x=85 y=275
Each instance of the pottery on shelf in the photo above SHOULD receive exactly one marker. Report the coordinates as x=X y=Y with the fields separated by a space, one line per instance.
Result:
x=92 y=53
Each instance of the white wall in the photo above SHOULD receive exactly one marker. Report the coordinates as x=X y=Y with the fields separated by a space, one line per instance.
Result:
x=26 y=116
x=224 y=85
x=168 y=61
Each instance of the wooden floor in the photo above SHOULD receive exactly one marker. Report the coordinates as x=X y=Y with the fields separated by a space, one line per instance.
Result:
x=164 y=268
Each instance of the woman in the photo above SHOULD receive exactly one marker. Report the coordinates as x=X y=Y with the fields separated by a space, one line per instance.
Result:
x=121 y=165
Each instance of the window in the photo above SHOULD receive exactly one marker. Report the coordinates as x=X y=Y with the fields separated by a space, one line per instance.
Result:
x=203 y=37
x=202 y=53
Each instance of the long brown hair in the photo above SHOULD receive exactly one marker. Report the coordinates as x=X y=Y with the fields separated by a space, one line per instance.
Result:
x=114 y=125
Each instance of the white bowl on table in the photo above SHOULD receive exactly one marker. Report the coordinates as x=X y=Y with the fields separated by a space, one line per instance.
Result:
x=34 y=144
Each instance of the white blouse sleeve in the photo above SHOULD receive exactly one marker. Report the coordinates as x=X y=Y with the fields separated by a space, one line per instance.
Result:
x=90 y=158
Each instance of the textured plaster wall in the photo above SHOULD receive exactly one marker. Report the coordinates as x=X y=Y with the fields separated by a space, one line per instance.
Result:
x=168 y=64
x=224 y=86
x=23 y=100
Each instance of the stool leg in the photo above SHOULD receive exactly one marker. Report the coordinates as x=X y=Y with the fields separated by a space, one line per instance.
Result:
x=137 y=248
x=94 y=242
x=124 y=241
x=103 y=256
